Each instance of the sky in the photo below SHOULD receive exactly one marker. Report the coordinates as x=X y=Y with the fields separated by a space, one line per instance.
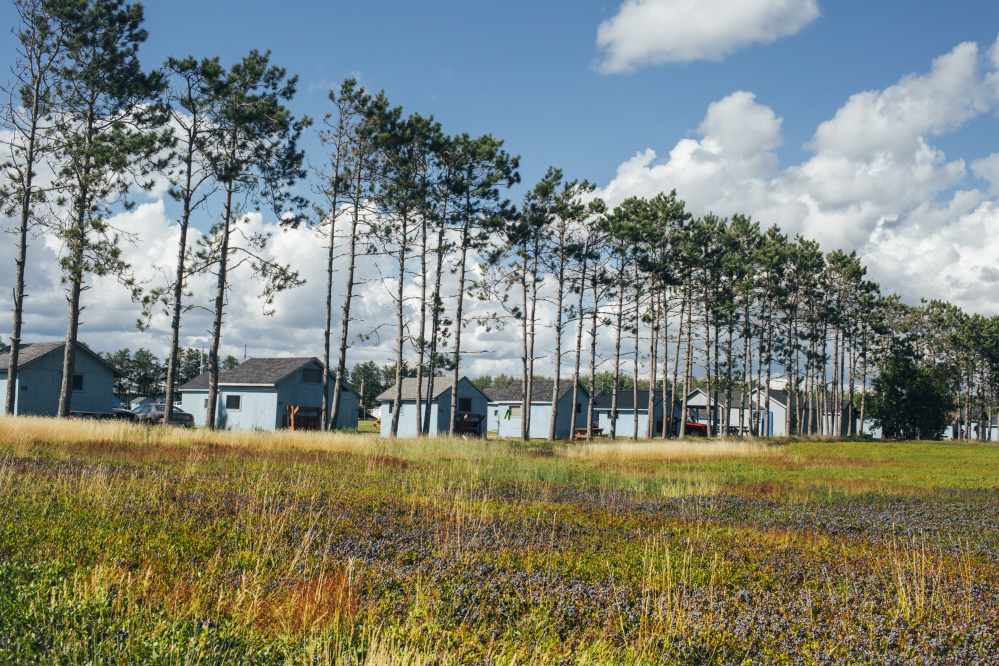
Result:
x=865 y=125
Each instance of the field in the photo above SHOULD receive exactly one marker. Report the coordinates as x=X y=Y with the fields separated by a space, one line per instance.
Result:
x=122 y=544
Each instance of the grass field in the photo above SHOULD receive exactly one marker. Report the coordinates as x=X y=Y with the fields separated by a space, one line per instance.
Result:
x=121 y=545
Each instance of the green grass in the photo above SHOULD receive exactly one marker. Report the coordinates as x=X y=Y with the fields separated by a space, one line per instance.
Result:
x=133 y=545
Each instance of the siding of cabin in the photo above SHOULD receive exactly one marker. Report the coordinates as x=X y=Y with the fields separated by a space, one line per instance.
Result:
x=193 y=402
x=40 y=381
x=257 y=408
x=540 y=418
x=625 y=422
x=440 y=412
x=407 y=418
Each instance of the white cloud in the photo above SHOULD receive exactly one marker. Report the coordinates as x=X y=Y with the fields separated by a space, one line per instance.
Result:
x=650 y=32
x=875 y=180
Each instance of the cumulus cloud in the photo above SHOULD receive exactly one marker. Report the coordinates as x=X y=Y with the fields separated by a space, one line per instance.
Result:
x=875 y=180
x=651 y=32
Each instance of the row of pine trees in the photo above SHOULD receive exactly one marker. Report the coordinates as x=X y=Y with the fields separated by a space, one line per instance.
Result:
x=722 y=301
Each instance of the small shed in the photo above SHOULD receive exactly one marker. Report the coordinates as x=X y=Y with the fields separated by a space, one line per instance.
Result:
x=626 y=408
x=506 y=404
x=270 y=394
x=39 y=380
x=472 y=405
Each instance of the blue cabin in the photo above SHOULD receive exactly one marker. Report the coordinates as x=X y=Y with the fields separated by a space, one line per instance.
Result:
x=270 y=394
x=624 y=425
x=471 y=407
x=506 y=405
x=39 y=380
x=698 y=402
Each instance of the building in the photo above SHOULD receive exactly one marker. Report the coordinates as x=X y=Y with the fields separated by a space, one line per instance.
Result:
x=625 y=422
x=506 y=404
x=268 y=394
x=472 y=405
x=39 y=380
x=699 y=401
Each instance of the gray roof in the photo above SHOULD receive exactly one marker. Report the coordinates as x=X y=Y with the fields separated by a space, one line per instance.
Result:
x=722 y=393
x=259 y=372
x=626 y=400
x=541 y=391
x=409 y=386
x=32 y=351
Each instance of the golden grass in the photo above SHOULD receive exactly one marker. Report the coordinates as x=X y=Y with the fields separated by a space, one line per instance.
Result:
x=673 y=450
x=25 y=432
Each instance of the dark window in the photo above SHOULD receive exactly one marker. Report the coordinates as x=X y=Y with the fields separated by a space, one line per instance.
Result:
x=464 y=404
x=232 y=401
x=77 y=382
x=579 y=407
x=390 y=407
x=206 y=403
x=23 y=387
x=312 y=376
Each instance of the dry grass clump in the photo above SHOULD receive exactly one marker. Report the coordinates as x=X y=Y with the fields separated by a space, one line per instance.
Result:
x=25 y=432
x=673 y=450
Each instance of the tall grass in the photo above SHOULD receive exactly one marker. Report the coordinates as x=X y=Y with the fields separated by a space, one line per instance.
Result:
x=673 y=450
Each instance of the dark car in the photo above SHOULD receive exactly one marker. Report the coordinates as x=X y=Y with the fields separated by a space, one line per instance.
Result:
x=118 y=411
x=153 y=412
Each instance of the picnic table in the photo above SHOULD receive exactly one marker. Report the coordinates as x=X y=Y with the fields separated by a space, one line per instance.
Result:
x=581 y=433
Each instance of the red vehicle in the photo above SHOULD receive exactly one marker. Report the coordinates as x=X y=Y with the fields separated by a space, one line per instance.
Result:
x=695 y=429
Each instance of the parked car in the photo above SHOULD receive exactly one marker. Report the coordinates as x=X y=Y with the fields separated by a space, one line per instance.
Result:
x=118 y=411
x=154 y=412
x=696 y=429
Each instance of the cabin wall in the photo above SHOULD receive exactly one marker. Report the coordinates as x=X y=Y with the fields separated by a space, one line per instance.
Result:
x=40 y=381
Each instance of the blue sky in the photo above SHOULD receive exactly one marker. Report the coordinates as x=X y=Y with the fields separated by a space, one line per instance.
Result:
x=866 y=125
x=526 y=70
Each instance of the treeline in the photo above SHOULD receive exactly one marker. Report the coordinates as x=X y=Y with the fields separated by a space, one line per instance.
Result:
x=721 y=302
x=145 y=374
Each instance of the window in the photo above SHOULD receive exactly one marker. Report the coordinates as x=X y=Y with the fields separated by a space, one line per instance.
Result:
x=312 y=376
x=77 y=382
x=232 y=402
x=464 y=404
x=142 y=409
x=515 y=410
x=579 y=407
x=206 y=403
x=390 y=407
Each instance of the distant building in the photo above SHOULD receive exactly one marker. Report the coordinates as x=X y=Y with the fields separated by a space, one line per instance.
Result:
x=625 y=424
x=39 y=380
x=138 y=401
x=505 y=407
x=471 y=406
x=270 y=394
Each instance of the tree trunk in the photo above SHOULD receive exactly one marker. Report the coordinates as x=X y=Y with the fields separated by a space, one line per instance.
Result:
x=348 y=296
x=220 y=286
x=459 y=313
x=617 y=351
x=579 y=348
x=401 y=332
x=560 y=287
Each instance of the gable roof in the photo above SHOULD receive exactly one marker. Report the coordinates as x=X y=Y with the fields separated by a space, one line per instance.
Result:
x=259 y=372
x=626 y=400
x=409 y=386
x=736 y=397
x=32 y=351
x=541 y=391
